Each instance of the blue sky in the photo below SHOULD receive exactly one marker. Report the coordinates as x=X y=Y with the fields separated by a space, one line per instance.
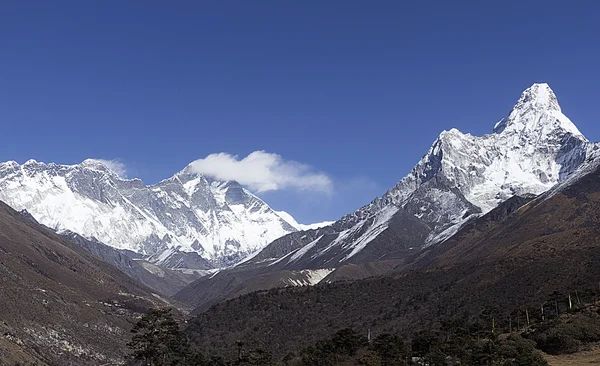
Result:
x=352 y=92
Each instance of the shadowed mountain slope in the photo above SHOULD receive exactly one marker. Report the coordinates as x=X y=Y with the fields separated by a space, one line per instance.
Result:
x=161 y=279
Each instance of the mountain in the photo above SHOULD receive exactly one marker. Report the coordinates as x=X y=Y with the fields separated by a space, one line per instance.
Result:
x=287 y=217
x=459 y=179
x=61 y=305
x=162 y=280
x=527 y=254
x=565 y=218
x=188 y=220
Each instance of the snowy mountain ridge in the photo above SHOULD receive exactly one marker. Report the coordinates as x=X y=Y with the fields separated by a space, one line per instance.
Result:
x=219 y=221
x=317 y=225
x=530 y=151
x=460 y=178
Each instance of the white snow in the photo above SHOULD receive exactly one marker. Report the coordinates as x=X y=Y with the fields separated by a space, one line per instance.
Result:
x=316 y=225
x=186 y=212
x=302 y=251
x=302 y=227
x=309 y=277
x=592 y=162
x=380 y=223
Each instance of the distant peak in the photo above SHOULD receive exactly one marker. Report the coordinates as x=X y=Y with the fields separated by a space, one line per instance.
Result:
x=108 y=166
x=537 y=111
x=10 y=163
x=93 y=163
x=540 y=96
x=186 y=173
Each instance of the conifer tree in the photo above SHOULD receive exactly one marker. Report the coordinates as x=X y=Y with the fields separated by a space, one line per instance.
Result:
x=157 y=341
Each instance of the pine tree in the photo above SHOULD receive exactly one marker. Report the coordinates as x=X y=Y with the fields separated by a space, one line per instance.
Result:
x=157 y=341
x=390 y=349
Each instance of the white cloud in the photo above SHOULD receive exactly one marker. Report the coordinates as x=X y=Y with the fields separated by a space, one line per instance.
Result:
x=262 y=171
x=116 y=166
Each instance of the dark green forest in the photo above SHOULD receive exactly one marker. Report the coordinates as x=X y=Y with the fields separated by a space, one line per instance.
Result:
x=158 y=339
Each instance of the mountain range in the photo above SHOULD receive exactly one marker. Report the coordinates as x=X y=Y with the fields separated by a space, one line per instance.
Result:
x=461 y=178
x=527 y=258
x=490 y=224
x=186 y=221
x=192 y=221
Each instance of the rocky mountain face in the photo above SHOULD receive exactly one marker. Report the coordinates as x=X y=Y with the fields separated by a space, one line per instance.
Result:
x=59 y=304
x=461 y=178
x=186 y=221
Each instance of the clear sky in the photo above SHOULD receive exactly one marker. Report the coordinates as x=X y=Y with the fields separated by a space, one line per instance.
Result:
x=348 y=94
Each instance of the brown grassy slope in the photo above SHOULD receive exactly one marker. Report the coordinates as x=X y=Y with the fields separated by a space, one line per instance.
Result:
x=590 y=356
x=59 y=303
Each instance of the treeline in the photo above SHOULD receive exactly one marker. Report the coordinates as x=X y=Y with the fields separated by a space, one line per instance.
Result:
x=454 y=344
x=507 y=291
x=553 y=308
x=157 y=340
x=561 y=324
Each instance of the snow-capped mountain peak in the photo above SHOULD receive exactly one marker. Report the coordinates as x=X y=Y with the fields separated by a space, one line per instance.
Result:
x=531 y=149
x=537 y=114
x=539 y=96
x=221 y=221
x=459 y=178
